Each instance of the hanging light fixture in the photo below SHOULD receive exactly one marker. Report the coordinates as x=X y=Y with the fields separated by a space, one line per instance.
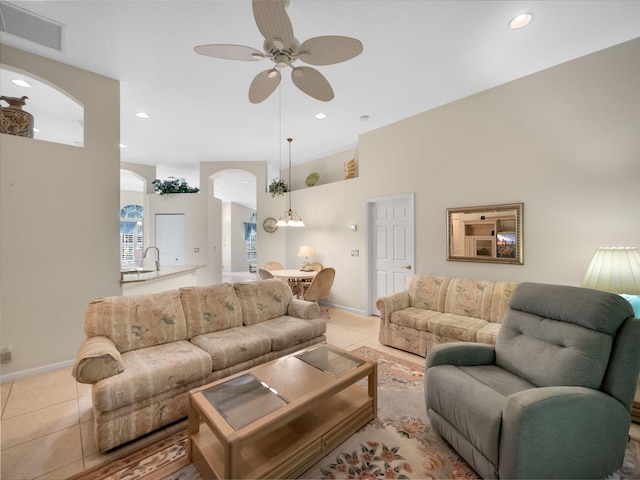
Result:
x=290 y=218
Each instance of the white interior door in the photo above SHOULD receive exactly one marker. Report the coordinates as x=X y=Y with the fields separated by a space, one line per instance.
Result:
x=170 y=238
x=389 y=246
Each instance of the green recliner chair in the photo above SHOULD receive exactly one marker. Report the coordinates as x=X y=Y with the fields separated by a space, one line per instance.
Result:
x=552 y=399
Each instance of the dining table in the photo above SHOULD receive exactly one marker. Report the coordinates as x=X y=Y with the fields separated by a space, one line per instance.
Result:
x=296 y=278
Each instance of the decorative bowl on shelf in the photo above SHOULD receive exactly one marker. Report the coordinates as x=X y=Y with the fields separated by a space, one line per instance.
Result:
x=312 y=179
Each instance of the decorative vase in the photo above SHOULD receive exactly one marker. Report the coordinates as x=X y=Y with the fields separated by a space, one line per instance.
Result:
x=350 y=169
x=14 y=120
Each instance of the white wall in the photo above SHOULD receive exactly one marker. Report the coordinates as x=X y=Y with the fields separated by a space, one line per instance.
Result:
x=239 y=215
x=564 y=141
x=59 y=238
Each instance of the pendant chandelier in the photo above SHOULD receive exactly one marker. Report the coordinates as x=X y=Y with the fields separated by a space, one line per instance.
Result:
x=290 y=218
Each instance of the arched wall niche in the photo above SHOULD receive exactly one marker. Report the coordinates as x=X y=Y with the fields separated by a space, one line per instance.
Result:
x=58 y=116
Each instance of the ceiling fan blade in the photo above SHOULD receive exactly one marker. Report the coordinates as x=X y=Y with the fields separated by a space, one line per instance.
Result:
x=263 y=85
x=328 y=50
x=230 y=52
x=312 y=82
x=273 y=22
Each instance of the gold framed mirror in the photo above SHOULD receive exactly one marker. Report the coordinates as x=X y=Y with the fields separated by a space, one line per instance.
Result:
x=489 y=234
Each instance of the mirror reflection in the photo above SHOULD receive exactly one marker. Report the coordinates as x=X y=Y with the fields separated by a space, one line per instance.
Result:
x=490 y=233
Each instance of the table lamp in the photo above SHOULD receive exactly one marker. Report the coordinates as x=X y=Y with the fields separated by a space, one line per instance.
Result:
x=306 y=251
x=616 y=270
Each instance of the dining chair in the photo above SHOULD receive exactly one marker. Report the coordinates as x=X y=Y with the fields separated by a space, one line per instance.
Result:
x=273 y=266
x=264 y=274
x=320 y=287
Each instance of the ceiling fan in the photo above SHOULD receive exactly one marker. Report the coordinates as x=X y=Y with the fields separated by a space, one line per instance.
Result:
x=284 y=50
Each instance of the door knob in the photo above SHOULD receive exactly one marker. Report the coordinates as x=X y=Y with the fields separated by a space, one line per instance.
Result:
x=408 y=267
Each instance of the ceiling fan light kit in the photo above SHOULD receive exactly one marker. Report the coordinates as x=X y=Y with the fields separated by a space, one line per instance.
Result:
x=281 y=47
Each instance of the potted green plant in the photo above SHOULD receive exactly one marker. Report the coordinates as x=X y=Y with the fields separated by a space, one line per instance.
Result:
x=173 y=185
x=278 y=187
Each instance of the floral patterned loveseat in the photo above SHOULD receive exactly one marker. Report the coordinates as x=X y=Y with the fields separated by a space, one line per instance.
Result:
x=435 y=309
x=144 y=353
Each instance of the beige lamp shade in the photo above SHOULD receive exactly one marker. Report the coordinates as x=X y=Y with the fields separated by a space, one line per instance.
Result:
x=615 y=270
x=306 y=251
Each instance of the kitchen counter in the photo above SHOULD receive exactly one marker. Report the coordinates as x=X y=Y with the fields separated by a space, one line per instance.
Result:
x=137 y=275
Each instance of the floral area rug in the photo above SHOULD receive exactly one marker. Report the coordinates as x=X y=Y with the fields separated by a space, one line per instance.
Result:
x=399 y=443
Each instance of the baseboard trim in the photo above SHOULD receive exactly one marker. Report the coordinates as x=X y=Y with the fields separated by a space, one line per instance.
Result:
x=342 y=307
x=35 y=371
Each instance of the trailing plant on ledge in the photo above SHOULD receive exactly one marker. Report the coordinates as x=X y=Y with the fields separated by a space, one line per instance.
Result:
x=173 y=185
x=278 y=187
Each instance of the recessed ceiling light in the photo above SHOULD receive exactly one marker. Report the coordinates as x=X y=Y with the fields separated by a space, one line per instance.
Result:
x=122 y=145
x=320 y=116
x=36 y=129
x=142 y=115
x=520 y=21
x=21 y=83
x=364 y=118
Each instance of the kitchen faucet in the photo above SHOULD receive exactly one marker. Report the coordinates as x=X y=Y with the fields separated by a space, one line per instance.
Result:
x=157 y=259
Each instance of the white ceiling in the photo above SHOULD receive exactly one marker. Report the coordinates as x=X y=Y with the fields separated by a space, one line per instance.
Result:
x=417 y=55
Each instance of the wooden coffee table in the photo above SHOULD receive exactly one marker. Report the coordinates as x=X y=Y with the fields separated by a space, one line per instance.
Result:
x=276 y=420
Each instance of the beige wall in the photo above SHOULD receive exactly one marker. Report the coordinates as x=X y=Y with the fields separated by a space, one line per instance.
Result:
x=59 y=238
x=565 y=141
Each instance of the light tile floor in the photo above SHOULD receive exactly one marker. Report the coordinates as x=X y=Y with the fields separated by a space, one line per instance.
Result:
x=47 y=423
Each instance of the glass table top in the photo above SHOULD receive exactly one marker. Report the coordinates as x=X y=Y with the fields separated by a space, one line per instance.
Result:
x=243 y=400
x=330 y=361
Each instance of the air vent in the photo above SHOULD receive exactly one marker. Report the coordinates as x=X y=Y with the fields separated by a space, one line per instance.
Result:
x=24 y=24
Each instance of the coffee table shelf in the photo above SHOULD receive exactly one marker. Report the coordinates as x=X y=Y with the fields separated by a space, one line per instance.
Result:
x=322 y=411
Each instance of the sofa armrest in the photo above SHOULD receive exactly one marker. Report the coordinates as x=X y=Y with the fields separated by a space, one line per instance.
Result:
x=303 y=309
x=543 y=423
x=392 y=303
x=461 y=354
x=97 y=359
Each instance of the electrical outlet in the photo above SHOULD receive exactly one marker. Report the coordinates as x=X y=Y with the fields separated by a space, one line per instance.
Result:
x=355 y=253
x=196 y=250
x=5 y=354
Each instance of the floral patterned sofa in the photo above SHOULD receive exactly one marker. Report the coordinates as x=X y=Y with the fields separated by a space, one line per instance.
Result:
x=144 y=353
x=435 y=309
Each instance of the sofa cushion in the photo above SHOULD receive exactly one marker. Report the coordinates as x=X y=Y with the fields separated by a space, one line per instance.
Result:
x=263 y=300
x=427 y=291
x=473 y=408
x=287 y=331
x=592 y=309
x=151 y=371
x=457 y=327
x=137 y=321
x=565 y=339
x=232 y=346
x=470 y=298
x=211 y=308
x=488 y=333
x=502 y=293
x=548 y=352
x=413 y=317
